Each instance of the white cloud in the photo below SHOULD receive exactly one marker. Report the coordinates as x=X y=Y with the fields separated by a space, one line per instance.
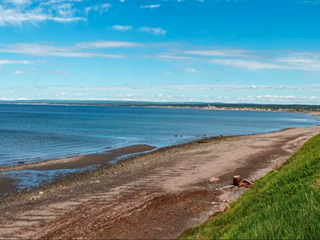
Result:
x=221 y=53
x=301 y=61
x=167 y=56
x=191 y=70
x=314 y=2
x=41 y=50
x=208 y=93
x=108 y=44
x=155 y=31
x=62 y=73
x=250 y=64
x=306 y=61
x=16 y=12
x=282 y=99
x=18 y=72
x=151 y=6
x=122 y=27
x=18 y=2
x=247 y=59
x=50 y=2
x=6 y=62
x=101 y=8
x=296 y=61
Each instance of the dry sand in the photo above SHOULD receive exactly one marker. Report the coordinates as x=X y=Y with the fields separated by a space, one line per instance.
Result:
x=151 y=196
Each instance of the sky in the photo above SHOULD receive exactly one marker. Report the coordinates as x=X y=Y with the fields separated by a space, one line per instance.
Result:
x=233 y=51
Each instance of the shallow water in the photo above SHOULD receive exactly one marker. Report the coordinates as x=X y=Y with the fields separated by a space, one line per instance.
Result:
x=30 y=133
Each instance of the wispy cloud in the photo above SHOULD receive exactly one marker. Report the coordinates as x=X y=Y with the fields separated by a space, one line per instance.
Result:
x=168 y=56
x=18 y=72
x=289 y=93
x=151 y=6
x=294 y=61
x=248 y=59
x=251 y=64
x=152 y=30
x=301 y=61
x=191 y=70
x=314 y=2
x=108 y=44
x=41 y=50
x=17 y=12
x=101 y=8
x=221 y=53
x=122 y=27
x=51 y=2
x=62 y=73
x=7 y=61
x=18 y=2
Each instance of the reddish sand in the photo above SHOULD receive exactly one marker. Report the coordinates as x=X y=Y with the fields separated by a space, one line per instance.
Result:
x=153 y=196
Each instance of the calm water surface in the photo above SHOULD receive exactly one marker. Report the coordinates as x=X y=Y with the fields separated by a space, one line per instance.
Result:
x=39 y=132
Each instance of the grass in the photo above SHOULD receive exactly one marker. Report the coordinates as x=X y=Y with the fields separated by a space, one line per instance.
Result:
x=285 y=204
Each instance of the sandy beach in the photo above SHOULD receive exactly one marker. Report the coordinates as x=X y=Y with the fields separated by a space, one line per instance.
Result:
x=156 y=195
x=9 y=185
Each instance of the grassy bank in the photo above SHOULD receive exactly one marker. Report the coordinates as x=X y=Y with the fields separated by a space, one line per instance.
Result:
x=283 y=204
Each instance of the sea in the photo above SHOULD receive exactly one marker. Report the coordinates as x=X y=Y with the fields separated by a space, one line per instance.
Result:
x=31 y=133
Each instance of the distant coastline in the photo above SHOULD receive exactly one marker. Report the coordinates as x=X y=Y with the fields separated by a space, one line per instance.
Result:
x=304 y=108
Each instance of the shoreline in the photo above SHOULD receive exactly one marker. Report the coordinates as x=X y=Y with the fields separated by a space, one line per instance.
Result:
x=82 y=160
x=114 y=154
x=89 y=163
x=169 y=185
x=94 y=162
x=82 y=163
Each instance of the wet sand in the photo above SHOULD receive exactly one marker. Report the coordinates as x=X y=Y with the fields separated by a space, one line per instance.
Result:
x=151 y=196
x=7 y=185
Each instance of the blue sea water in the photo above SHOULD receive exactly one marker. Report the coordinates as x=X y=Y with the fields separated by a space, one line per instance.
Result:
x=38 y=132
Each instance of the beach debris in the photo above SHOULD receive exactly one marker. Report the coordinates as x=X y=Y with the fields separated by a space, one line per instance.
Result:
x=40 y=193
x=278 y=167
x=225 y=208
x=227 y=187
x=238 y=181
x=214 y=179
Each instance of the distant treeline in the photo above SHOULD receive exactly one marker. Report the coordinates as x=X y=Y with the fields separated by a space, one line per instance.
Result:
x=293 y=107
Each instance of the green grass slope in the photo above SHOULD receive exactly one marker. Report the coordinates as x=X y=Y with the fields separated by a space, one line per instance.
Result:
x=285 y=204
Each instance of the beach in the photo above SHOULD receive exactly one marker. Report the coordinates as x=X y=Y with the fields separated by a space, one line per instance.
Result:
x=8 y=185
x=153 y=195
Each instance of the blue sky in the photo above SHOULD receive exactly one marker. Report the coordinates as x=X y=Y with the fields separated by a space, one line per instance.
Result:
x=260 y=51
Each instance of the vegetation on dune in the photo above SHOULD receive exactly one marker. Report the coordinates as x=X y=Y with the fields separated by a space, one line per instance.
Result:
x=285 y=204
